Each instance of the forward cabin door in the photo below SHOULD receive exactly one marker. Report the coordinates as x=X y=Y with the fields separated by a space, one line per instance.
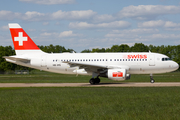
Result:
x=151 y=60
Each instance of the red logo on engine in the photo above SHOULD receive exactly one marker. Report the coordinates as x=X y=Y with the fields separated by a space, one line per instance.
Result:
x=117 y=74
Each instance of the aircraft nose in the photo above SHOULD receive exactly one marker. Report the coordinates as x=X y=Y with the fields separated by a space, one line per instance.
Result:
x=175 y=66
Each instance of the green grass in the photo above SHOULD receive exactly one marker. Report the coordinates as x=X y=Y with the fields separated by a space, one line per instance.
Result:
x=46 y=77
x=103 y=103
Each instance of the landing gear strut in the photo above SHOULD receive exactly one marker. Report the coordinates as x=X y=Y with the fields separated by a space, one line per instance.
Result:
x=152 y=80
x=93 y=81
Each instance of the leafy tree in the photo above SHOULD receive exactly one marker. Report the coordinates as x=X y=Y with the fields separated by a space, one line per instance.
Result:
x=54 y=49
x=115 y=48
x=86 y=51
x=176 y=53
x=152 y=48
x=124 y=48
x=98 y=50
x=6 y=51
x=139 y=47
x=108 y=50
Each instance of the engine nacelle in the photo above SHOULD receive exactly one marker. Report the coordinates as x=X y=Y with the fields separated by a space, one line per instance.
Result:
x=118 y=74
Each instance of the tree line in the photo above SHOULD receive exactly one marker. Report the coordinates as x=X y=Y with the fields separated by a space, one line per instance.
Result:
x=172 y=52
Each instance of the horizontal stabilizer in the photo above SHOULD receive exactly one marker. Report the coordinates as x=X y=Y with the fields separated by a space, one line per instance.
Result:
x=16 y=59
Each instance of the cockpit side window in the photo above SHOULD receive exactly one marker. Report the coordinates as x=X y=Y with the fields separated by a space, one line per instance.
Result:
x=166 y=59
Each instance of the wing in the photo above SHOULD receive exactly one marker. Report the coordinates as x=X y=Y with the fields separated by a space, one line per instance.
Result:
x=95 y=67
x=86 y=66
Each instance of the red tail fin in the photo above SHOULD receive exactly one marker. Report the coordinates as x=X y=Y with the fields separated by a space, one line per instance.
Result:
x=20 y=38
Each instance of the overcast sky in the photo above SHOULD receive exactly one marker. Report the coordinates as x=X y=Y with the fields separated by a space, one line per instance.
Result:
x=83 y=24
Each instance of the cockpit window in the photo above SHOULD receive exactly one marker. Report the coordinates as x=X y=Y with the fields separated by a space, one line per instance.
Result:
x=166 y=59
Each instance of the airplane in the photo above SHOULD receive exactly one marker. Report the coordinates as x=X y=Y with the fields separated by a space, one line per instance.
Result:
x=114 y=66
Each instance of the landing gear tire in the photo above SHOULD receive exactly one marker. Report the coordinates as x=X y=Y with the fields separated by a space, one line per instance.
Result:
x=93 y=81
x=151 y=78
x=152 y=81
x=97 y=80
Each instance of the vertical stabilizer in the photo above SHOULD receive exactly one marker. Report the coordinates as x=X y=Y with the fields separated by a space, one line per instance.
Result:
x=22 y=42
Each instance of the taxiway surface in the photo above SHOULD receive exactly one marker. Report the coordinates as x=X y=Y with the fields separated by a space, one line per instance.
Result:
x=157 y=84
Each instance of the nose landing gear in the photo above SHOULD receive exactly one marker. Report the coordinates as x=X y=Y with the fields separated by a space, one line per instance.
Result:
x=152 y=80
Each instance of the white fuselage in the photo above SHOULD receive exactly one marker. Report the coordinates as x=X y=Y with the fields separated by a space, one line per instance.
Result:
x=134 y=63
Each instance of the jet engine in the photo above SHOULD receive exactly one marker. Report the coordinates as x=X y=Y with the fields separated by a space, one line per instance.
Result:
x=117 y=74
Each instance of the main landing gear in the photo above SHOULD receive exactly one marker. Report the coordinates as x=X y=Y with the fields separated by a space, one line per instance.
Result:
x=152 y=80
x=93 y=81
